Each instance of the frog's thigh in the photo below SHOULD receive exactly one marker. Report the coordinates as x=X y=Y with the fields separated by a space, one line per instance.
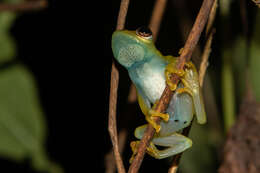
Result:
x=176 y=143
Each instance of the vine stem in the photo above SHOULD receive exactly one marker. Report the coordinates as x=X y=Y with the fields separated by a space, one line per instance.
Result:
x=202 y=71
x=188 y=49
x=112 y=128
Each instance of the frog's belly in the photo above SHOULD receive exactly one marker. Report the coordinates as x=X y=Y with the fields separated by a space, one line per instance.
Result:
x=180 y=110
x=154 y=85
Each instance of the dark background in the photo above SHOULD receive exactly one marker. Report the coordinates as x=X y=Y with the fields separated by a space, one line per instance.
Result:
x=67 y=48
x=53 y=47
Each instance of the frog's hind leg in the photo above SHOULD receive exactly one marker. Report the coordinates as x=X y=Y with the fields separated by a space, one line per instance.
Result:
x=175 y=142
x=151 y=113
x=139 y=132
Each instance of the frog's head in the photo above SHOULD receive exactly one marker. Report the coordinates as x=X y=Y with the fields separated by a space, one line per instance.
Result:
x=130 y=47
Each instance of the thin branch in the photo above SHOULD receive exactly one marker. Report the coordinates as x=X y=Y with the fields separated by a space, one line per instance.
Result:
x=167 y=93
x=203 y=67
x=24 y=6
x=212 y=17
x=185 y=24
x=155 y=21
x=122 y=14
x=205 y=56
x=202 y=71
x=112 y=127
x=109 y=158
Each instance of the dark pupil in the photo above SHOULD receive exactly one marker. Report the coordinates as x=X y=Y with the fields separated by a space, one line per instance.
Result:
x=144 y=31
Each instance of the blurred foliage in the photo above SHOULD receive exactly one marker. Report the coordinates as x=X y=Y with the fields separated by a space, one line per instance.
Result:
x=7 y=45
x=22 y=125
x=201 y=154
x=254 y=59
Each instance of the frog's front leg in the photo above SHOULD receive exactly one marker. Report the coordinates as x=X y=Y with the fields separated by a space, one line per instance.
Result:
x=175 y=143
x=150 y=113
x=189 y=78
x=171 y=69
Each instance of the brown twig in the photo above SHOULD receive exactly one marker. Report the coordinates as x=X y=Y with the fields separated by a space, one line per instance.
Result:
x=212 y=17
x=155 y=21
x=122 y=14
x=112 y=127
x=202 y=71
x=205 y=57
x=24 y=6
x=185 y=24
x=109 y=158
x=167 y=93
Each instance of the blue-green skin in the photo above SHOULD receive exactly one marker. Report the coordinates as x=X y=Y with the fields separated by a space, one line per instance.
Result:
x=146 y=67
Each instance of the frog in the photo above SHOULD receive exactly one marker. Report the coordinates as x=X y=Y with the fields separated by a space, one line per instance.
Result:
x=150 y=71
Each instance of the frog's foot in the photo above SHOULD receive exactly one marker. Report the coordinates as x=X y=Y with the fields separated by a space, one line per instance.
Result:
x=189 y=64
x=169 y=70
x=152 y=114
x=180 y=51
x=151 y=121
x=184 y=90
x=163 y=116
x=134 y=147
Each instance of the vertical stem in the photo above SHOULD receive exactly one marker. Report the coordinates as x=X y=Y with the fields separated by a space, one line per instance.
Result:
x=122 y=14
x=227 y=77
x=112 y=127
x=156 y=18
x=228 y=100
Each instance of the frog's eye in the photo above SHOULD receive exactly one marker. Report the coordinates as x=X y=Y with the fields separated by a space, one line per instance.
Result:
x=145 y=33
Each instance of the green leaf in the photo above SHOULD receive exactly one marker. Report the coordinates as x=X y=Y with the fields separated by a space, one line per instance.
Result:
x=7 y=45
x=239 y=58
x=22 y=125
x=7 y=48
x=254 y=69
x=6 y=21
x=254 y=62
